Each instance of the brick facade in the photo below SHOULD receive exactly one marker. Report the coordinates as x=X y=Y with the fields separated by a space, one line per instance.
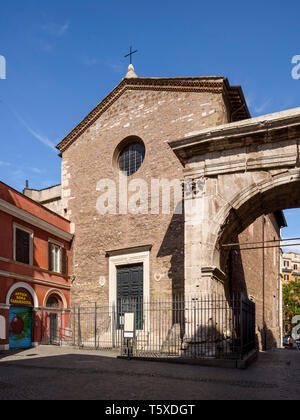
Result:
x=156 y=116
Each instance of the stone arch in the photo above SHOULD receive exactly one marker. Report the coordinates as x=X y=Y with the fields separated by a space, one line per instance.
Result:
x=26 y=286
x=275 y=193
x=58 y=294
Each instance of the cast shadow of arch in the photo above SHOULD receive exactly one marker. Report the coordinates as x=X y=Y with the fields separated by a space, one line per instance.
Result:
x=236 y=281
x=173 y=246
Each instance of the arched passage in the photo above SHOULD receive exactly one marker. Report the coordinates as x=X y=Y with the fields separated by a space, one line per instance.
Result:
x=248 y=169
x=279 y=192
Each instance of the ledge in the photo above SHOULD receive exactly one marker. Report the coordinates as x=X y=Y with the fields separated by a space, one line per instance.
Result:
x=260 y=130
x=130 y=250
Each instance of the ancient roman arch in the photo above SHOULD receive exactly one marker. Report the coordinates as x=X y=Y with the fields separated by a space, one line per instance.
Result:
x=247 y=169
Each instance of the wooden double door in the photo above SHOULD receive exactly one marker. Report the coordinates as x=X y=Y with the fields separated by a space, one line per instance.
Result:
x=130 y=289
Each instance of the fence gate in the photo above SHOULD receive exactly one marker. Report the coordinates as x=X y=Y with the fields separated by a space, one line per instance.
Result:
x=56 y=327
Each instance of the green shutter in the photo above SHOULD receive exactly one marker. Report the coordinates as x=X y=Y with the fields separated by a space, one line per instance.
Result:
x=50 y=260
x=64 y=260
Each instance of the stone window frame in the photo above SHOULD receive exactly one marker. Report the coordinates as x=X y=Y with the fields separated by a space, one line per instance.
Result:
x=122 y=145
x=60 y=246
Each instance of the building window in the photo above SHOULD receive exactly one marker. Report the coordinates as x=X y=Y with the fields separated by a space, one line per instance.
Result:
x=57 y=258
x=52 y=302
x=286 y=277
x=295 y=266
x=286 y=263
x=131 y=158
x=23 y=245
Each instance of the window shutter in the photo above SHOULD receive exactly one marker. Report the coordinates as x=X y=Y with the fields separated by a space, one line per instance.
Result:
x=50 y=257
x=64 y=261
x=22 y=246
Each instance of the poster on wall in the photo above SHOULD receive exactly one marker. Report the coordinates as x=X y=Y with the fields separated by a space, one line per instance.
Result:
x=20 y=319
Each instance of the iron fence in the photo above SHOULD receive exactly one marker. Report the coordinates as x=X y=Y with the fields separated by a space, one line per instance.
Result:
x=198 y=327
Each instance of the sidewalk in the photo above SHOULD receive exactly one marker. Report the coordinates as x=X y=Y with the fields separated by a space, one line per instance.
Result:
x=50 y=372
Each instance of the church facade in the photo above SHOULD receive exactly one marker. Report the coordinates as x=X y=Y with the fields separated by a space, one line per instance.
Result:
x=122 y=190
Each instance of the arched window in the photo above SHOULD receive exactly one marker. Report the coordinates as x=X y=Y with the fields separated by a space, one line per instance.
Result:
x=131 y=158
x=52 y=302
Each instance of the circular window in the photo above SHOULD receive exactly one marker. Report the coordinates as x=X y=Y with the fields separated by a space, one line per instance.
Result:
x=131 y=158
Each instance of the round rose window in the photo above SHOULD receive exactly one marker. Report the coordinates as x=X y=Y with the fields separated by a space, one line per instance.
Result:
x=131 y=158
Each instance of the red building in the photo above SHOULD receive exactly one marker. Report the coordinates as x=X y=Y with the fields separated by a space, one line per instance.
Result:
x=34 y=272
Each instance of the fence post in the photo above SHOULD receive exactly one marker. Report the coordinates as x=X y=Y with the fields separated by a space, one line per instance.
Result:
x=74 y=325
x=113 y=324
x=61 y=328
x=95 y=325
x=42 y=328
x=241 y=327
x=79 y=328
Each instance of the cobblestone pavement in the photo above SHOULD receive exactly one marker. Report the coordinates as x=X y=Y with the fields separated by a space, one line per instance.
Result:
x=55 y=373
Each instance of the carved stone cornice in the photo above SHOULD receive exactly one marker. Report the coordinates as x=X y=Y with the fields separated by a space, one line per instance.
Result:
x=215 y=84
x=272 y=128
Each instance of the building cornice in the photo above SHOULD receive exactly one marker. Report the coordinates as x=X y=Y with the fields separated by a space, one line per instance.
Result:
x=130 y=250
x=29 y=279
x=214 y=84
x=270 y=128
x=34 y=267
x=34 y=220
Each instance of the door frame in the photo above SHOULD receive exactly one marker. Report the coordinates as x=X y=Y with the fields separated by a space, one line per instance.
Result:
x=128 y=259
x=52 y=317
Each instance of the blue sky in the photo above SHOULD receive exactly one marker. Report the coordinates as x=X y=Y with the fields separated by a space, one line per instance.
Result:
x=63 y=57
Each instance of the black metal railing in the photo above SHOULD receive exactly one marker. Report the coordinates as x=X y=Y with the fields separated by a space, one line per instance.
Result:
x=170 y=326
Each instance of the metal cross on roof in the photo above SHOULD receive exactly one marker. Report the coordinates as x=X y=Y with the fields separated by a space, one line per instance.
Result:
x=130 y=54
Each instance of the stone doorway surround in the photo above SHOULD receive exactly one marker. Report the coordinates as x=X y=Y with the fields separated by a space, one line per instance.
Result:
x=127 y=256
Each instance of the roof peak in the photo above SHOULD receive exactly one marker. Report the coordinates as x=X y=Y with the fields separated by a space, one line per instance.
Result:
x=212 y=84
x=130 y=73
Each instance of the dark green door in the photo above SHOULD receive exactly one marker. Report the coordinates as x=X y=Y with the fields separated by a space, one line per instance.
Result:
x=130 y=293
x=53 y=329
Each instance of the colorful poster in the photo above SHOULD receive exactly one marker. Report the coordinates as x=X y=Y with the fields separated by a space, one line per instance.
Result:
x=20 y=322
